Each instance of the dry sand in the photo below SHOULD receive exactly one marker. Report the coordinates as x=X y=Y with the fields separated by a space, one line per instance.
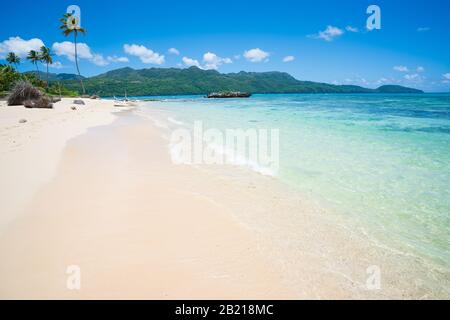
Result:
x=30 y=151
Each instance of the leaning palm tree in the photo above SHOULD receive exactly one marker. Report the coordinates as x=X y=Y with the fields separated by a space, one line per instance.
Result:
x=34 y=57
x=13 y=59
x=46 y=56
x=69 y=24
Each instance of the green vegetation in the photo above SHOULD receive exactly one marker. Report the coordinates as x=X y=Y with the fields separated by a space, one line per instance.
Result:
x=55 y=77
x=395 y=89
x=172 y=81
x=9 y=77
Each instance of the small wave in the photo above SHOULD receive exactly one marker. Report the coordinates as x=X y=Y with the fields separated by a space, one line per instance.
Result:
x=174 y=121
x=229 y=157
x=156 y=122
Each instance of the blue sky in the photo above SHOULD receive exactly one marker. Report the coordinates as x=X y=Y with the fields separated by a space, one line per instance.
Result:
x=412 y=48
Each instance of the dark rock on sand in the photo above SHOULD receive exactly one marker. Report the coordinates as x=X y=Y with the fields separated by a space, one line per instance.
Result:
x=22 y=91
x=42 y=102
x=80 y=102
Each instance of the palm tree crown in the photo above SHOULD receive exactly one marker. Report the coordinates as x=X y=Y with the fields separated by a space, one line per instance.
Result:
x=12 y=58
x=46 y=56
x=69 y=25
x=34 y=57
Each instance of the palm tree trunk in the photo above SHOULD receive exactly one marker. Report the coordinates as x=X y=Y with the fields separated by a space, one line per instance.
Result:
x=76 y=63
x=37 y=71
x=47 y=75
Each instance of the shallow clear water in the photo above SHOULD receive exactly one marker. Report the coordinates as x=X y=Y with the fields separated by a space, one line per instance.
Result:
x=383 y=161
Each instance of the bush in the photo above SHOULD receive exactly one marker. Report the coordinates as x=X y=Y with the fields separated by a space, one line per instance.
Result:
x=55 y=89
x=22 y=91
x=8 y=76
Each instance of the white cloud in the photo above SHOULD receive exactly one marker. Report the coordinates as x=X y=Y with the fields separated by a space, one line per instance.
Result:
x=382 y=81
x=446 y=76
x=117 y=59
x=213 y=61
x=351 y=29
x=423 y=29
x=328 y=34
x=191 y=62
x=174 y=51
x=67 y=49
x=256 y=55
x=415 y=77
x=420 y=69
x=401 y=68
x=210 y=61
x=145 y=55
x=357 y=80
x=99 y=60
x=411 y=76
x=288 y=58
x=56 y=65
x=19 y=46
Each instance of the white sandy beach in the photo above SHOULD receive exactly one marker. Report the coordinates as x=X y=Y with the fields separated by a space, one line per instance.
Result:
x=115 y=209
x=96 y=188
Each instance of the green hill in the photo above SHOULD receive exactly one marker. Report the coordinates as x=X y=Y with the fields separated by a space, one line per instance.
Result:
x=395 y=89
x=172 y=81
x=55 y=76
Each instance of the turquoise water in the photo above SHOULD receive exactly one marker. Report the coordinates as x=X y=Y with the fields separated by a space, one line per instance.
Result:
x=383 y=161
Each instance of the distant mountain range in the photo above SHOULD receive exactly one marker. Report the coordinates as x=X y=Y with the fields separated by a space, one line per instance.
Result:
x=56 y=76
x=172 y=81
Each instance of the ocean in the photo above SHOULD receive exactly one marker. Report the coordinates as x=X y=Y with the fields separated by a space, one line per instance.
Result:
x=380 y=161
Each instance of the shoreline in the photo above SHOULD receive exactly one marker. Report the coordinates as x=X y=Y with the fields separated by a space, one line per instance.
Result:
x=140 y=227
x=345 y=252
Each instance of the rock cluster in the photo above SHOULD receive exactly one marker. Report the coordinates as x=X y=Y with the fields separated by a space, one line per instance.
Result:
x=222 y=95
